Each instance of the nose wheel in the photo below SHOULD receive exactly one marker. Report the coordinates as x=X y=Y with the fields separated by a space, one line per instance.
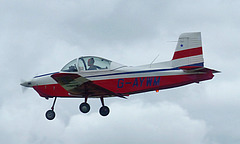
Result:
x=50 y=114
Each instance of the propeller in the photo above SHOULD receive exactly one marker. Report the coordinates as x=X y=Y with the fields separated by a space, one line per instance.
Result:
x=25 y=85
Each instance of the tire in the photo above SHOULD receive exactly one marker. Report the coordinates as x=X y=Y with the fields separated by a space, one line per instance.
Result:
x=84 y=107
x=50 y=114
x=104 y=111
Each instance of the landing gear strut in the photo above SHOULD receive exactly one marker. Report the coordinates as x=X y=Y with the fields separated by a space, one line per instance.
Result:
x=50 y=114
x=104 y=110
x=85 y=107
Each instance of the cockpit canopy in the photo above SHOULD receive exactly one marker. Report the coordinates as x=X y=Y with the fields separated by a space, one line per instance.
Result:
x=90 y=63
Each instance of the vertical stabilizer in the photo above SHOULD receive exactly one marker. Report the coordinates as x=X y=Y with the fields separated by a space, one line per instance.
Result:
x=188 y=50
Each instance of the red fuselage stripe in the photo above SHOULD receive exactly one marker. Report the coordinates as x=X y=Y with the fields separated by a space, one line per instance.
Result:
x=126 y=86
x=141 y=84
x=187 y=53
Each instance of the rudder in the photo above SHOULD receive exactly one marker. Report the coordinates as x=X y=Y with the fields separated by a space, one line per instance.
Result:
x=188 y=50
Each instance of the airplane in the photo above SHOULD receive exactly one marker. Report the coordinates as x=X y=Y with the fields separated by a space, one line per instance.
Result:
x=96 y=77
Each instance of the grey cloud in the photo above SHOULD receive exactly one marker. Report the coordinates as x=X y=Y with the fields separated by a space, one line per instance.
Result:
x=42 y=36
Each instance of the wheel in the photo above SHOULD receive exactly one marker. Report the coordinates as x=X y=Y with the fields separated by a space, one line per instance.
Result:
x=84 y=107
x=104 y=111
x=50 y=114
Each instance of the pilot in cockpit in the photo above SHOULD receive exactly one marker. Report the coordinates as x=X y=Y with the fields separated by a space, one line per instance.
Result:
x=91 y=65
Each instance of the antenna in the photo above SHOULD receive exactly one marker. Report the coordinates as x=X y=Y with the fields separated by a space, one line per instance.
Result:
x=172 y=41
x=154 y=60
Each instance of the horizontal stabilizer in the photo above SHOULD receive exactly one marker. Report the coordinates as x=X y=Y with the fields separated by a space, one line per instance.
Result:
x=190 y=69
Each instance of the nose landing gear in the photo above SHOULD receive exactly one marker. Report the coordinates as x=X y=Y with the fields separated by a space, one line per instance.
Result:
x=50 y=114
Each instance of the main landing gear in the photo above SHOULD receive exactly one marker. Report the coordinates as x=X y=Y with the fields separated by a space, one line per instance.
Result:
x=104 y=110
x=85 y=108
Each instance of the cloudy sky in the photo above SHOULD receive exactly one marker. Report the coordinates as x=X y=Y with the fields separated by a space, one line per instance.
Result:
x=38 y=37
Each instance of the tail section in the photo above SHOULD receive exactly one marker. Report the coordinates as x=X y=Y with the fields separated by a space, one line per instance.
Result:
x=188 y=51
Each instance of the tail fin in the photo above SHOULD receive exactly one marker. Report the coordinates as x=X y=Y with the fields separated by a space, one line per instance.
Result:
x=188 y=51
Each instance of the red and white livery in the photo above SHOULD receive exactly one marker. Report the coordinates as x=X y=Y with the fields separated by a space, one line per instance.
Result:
x=96 y=77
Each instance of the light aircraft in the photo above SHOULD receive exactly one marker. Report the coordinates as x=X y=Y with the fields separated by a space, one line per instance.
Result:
x=96 y=77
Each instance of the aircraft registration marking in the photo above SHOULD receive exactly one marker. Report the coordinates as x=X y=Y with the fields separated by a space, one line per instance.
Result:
x=139 y=82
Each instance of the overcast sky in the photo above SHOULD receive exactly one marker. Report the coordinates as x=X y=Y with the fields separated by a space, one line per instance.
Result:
x=38 y=37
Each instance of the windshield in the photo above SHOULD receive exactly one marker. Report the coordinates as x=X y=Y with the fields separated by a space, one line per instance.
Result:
x=71 y=66
x=96 y=63
x=90 y=63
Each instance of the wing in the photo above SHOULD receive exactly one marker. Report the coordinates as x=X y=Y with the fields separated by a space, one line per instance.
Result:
x=77 y=85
